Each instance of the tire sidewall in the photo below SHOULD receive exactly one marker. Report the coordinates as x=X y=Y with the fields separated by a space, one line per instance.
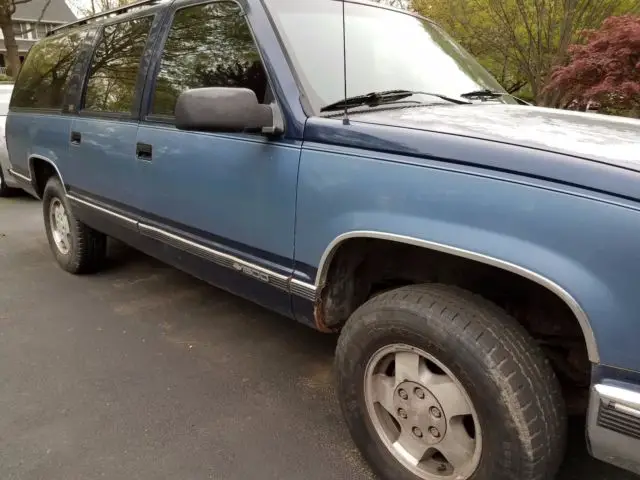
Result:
x=500 y=444
x=52 y=191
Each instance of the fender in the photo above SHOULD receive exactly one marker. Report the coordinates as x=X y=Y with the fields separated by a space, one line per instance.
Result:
x=578 y=244
x=572 y=303
x=32 y=180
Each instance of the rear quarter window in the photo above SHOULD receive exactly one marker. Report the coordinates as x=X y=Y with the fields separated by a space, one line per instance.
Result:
x=45 y=75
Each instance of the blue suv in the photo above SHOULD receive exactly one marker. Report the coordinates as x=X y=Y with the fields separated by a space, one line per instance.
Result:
x=351 y=167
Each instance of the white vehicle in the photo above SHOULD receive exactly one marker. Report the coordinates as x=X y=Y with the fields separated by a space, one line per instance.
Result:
x=8 y=184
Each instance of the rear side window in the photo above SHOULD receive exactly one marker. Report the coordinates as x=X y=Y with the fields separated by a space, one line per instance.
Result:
x=208 y=46
x=115 y=65
x=44 y=77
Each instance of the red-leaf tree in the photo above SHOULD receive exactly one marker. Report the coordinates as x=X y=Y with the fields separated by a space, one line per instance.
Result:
x=605 y=69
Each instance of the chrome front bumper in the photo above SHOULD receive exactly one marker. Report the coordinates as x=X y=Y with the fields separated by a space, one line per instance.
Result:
x=613 y=425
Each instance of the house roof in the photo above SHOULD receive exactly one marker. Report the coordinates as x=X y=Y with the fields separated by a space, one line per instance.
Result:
x=57 y=11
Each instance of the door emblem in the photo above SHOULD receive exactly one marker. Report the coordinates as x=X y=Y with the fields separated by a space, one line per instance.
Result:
x=258 y=275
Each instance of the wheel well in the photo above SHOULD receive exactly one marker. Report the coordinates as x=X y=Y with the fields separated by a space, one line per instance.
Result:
x=42 y=171
x=364 y=267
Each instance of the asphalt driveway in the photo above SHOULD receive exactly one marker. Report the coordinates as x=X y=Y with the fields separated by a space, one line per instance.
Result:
x=142 y=372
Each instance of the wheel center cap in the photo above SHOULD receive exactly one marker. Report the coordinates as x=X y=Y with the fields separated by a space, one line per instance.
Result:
x=418 y=411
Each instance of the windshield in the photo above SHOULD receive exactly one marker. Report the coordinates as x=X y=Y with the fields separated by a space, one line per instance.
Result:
x=386 y=50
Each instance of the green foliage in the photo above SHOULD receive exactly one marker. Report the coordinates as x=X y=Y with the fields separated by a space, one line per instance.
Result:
x=521 y=41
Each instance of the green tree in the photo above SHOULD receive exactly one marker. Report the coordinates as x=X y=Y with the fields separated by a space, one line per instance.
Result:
x=7 y=10
x=521 y=41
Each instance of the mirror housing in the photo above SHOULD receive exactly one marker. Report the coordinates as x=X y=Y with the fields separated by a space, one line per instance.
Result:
x=221 y=109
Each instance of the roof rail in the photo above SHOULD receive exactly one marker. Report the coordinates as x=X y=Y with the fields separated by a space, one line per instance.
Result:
x=106 y=14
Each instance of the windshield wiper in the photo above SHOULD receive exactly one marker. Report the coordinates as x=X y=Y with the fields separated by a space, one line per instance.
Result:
x=374 y=99
x=486 y=93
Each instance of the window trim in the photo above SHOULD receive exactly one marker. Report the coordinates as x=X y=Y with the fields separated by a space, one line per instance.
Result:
x=74 y=95
x=156 y=62
x=22 y=26
x=134 y=113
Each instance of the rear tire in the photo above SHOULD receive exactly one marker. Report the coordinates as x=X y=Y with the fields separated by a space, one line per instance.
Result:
x=500 y=388
x=77 y=247
x=5 y=190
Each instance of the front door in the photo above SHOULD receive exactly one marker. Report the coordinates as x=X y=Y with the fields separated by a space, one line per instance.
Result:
x=231 y=194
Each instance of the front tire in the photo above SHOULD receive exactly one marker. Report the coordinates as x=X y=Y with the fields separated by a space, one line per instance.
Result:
x=77 y=247
x=436 y=383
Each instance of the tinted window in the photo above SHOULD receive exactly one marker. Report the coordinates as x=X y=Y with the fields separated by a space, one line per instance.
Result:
x=208 y=46
x=45 y=75
x=114 y=68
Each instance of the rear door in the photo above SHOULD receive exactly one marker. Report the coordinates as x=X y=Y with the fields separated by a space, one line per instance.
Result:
x=36 y=125
x=103 y=135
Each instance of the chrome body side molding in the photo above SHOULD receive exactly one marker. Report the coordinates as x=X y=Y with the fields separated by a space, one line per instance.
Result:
x=575 y=307
x=123 y=219
x=277 y=280
x=20 y=176
x=220 y=258
x=303 y=289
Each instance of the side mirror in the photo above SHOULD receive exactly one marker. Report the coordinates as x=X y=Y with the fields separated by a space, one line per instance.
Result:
x=220 y=109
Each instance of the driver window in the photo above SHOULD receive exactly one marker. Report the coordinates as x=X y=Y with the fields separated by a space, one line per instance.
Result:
x=208 y=46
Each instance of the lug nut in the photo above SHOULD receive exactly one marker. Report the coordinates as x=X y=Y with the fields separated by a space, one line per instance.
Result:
x=402 y=413
x=403 y=394
x=435 y=412
x=434 y=432
x=417 y=432
x=419 y=393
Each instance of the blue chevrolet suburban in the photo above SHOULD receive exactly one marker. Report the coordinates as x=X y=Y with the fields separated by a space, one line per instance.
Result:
x=351 y=167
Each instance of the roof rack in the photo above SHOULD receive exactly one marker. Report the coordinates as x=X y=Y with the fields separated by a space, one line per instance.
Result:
x=107 y=14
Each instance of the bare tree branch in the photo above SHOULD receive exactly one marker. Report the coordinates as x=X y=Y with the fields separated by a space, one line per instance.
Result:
x=39 y=20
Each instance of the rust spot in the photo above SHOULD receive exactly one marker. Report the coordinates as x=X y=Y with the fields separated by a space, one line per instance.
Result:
x=319 y=318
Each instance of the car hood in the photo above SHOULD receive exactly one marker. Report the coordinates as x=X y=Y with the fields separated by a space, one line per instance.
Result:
x=603 y=138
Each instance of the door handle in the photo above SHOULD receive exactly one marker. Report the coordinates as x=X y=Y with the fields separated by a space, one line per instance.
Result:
x=76 y=138
x=144 y=151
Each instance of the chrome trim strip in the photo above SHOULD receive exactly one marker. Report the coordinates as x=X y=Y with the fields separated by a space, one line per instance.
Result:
x=24 y=178
x=226 y=260
x=223 y=259
x=303 y=289
x=55 y=167
x=123 y=218
x=628 y=410
x=619 y=395
x=575 y=307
